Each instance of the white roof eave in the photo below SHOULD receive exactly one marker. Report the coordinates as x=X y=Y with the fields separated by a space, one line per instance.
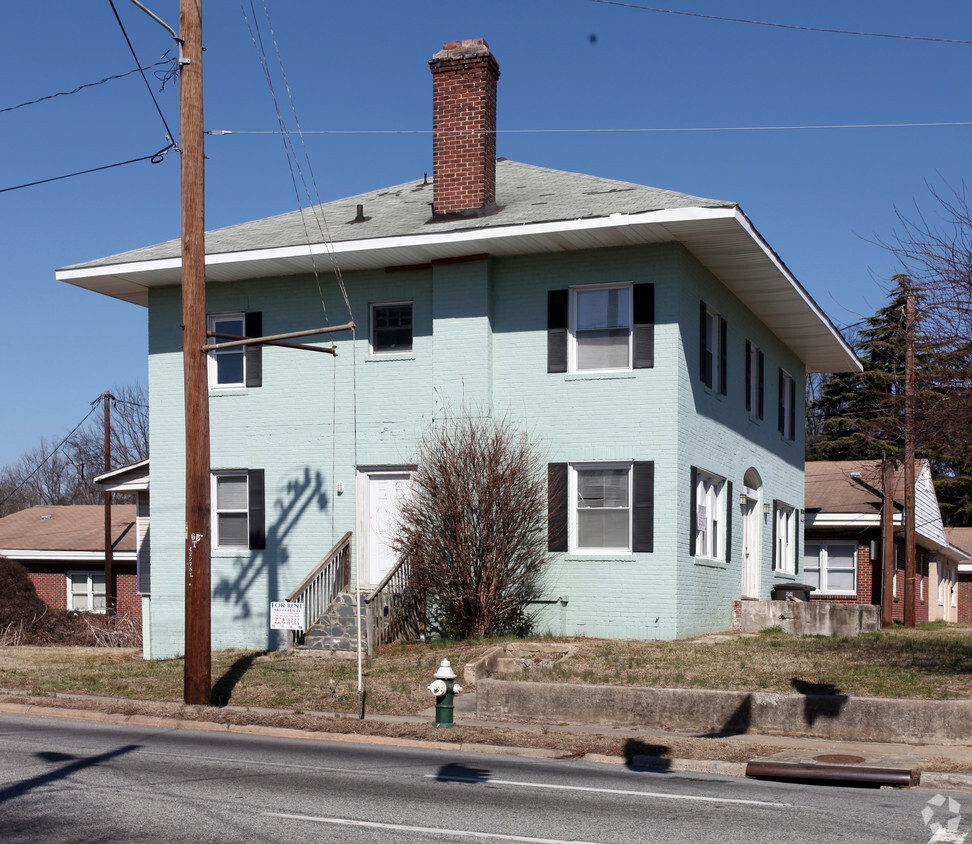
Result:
x=722 y=239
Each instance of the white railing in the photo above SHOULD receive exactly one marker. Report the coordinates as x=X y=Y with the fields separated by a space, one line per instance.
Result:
x=317 y=591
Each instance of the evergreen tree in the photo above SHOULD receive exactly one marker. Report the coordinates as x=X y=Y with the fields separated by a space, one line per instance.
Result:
x=861 y=415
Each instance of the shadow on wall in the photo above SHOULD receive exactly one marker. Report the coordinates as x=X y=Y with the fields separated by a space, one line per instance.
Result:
x=302 y=494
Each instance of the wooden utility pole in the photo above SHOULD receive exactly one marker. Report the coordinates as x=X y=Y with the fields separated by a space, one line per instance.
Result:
x=887 y=543
x=909 y=467
x=198 y=669
x=111 y=601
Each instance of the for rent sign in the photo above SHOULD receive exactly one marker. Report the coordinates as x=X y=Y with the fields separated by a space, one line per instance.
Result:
x=286 y=616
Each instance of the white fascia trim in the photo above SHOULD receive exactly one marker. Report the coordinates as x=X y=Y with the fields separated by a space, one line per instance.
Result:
x=131 y=467
x=965 y=568
x=347 y=247
x=855 y=520
x=757 y=238
x=66 y=556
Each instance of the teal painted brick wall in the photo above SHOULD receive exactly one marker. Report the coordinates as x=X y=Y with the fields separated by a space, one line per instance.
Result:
x=479 y=339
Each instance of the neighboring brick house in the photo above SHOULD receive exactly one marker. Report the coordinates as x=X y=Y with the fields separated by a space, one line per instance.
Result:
x=962 y=538
x=842 y=539
x=652 y=342
x=63 y=549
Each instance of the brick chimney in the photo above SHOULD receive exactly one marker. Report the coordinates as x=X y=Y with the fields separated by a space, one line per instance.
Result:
x=464 y=75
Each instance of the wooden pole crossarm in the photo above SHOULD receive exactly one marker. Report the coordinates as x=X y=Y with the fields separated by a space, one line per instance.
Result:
x=254 y=341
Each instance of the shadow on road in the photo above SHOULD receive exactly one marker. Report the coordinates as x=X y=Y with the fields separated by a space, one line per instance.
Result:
x=74 y=764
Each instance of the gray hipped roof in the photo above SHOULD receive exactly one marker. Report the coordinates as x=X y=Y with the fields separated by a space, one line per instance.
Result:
x=525 y=194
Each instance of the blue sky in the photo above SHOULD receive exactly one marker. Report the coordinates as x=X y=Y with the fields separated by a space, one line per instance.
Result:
x=819 y=196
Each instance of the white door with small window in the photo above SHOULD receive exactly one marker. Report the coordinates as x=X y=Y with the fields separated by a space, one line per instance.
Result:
x=381 y=502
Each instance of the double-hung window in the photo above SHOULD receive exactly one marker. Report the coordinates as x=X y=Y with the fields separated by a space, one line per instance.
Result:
x=784 y=538
x=391 y=328
x=601 y=508
x=708 y=515
x=713 y=340
x=601 y=328
x=830 y=566
x=238 y=509
x=754 y=380
x=235 y=367
x=787 y=405
x=86 y=591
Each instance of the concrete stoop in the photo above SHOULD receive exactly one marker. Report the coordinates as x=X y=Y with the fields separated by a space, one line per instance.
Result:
x=336 y=634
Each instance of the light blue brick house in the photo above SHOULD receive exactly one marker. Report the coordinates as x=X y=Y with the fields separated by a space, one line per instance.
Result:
x=653 y=342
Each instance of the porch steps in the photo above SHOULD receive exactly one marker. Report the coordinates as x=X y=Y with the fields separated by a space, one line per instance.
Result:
x=336 y=634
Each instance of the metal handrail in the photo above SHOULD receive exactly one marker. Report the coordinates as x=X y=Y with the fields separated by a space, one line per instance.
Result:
x=329 y=578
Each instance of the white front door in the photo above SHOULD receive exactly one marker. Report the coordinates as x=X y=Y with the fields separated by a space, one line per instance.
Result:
x=386 y=490
x=750 y=566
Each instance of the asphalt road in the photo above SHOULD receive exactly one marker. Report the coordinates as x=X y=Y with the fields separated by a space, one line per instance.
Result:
x=72 y=781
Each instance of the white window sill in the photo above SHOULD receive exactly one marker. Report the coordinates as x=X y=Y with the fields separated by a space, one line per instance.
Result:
x=584 y=554
x=600 y=375
x=384 y=358
x=710 y=562
x=224 y=392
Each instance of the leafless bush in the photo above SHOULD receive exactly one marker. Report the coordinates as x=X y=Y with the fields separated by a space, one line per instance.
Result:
x=474 y=528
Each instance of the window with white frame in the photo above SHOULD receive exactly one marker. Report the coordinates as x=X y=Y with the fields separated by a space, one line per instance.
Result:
x=86 y=591
x=754 y=380
x=785 y=538
x=601 y=515
x=601 y=330
x=787 y=405
x=227 y=367
x=391 y=328
x=238 y=509
x=712 y=348
x=831 y=566
x=709 y=510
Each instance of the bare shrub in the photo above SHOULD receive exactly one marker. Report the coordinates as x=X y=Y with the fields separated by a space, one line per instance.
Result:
x=474 y=529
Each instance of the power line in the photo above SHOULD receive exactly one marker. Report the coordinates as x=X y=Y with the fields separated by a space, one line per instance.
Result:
x=168 y=131
x=155 y=158
x=86 y=85
x=782 y=25
x=598 y=131
x=39 y=466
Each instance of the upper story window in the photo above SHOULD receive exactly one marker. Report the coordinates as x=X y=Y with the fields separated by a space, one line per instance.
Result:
x=238 y=366
x=754 y=380
x=784 y=538
x=713 y=361
x=239 y=509
x=391 y=328
x=830 y=566
x=708 y=502
x=602 y=328
x=787 y=405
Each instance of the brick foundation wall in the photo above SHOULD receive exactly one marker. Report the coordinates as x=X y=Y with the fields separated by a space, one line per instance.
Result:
x=965 y=598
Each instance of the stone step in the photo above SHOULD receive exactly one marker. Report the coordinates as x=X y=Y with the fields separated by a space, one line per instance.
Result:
x=337 y=631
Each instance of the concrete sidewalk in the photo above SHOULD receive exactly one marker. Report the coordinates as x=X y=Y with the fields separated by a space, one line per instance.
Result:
x=928 y=765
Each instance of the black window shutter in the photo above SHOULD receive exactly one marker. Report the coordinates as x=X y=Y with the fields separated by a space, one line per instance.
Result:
x=253 y=327
x=556 y=506
x=643 y=326
x=792 y=432
x=705 y=354
x=256 y=496
x=730 y=506
x=749 y=377
x=776 y=562
x=780 y=409
x=644 y=506
x=759 y=385
x=693 y=507
x=557 y=306
x=723 y=357
x=796 y=545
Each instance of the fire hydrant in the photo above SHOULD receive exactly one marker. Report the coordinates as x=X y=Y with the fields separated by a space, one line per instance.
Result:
x=444 y=687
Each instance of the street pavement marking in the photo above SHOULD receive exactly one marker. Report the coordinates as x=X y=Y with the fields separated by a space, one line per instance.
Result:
x=695 y=797
x=432 y=830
